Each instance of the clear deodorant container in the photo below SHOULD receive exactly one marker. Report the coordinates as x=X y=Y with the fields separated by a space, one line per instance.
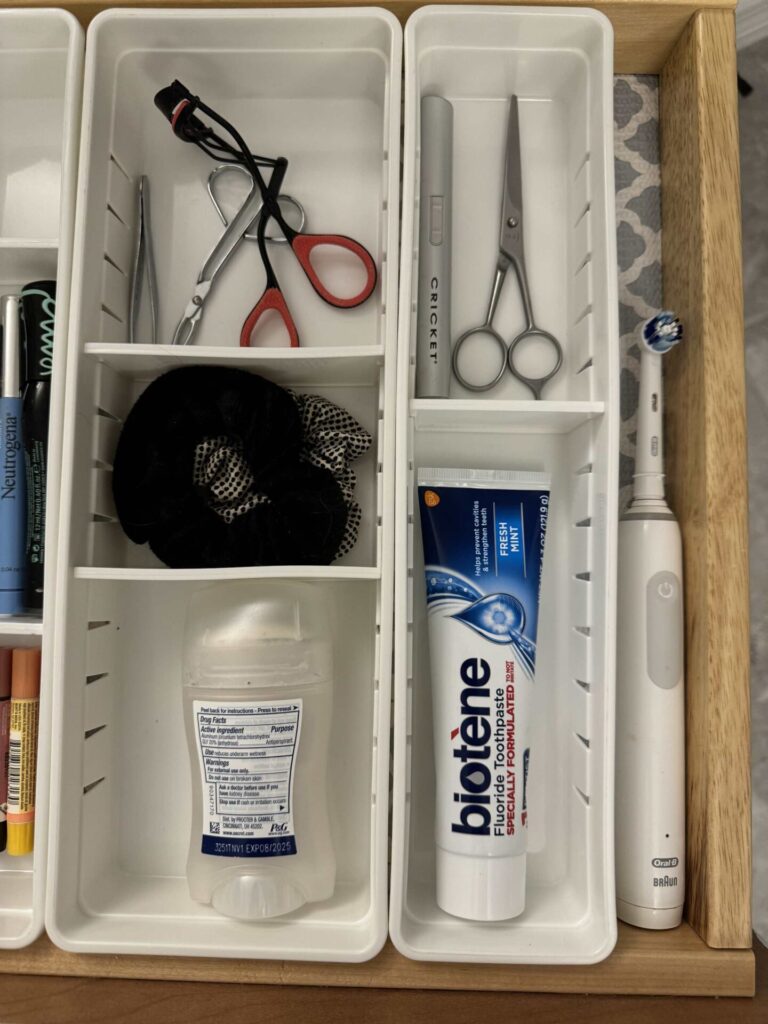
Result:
x=257 y=710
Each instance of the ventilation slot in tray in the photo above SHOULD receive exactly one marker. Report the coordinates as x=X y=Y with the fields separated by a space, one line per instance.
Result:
x=581 y=335
x=581 y=602
x=118 y=242
x=98 y=702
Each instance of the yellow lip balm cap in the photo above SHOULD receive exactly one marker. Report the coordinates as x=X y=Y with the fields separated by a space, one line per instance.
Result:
x=21 y=839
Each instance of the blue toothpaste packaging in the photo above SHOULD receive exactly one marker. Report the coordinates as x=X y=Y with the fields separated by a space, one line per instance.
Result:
x=483 y=535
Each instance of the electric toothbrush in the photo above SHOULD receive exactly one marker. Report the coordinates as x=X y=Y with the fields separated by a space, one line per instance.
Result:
x=650 y=708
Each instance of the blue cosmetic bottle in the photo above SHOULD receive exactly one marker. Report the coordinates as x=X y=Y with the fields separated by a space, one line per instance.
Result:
x=13 y=502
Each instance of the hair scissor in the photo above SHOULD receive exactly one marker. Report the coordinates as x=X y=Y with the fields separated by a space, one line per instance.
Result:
x=511 y=254
x=179 y=106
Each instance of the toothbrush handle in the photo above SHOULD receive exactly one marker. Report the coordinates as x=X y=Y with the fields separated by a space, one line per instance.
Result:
x=650 y=725
x=649 y=457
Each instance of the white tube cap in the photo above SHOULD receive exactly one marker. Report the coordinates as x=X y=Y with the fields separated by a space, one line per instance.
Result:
x=480 y=888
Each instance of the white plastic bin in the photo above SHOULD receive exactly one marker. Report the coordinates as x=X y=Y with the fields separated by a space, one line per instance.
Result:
x=323 y=88
x=41 y=55
x=559 y=64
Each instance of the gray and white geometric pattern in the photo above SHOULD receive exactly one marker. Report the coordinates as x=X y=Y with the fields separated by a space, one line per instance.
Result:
x=638 y=235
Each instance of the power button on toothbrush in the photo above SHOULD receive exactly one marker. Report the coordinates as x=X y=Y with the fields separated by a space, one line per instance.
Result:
x=664 y=629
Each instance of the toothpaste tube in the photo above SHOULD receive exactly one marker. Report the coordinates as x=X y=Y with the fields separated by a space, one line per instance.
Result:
x=483 y=534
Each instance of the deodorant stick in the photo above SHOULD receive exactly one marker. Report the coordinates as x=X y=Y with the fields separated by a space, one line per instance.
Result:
x=257 y=686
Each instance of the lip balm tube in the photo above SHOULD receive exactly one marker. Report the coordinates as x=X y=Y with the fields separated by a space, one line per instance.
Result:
x=12 y=471
x=483 y=534
x=22 y=760
x=5 y=721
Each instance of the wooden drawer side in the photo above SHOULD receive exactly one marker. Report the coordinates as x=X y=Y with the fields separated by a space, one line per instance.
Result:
x=707 y=472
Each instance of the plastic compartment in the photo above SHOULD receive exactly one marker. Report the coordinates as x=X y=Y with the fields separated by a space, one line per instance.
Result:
x=99 y=542
x=127 y=786
x=35 y=64
x=316 y=88
x=559 y=64
x=41 y=56
x=322 y=87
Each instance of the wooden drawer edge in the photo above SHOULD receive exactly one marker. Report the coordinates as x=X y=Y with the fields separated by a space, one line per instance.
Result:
x=644 y=963
x=645 y=30
x=706 y=413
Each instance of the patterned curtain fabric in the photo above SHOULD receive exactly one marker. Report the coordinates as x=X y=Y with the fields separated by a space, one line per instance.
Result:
x=638 y=233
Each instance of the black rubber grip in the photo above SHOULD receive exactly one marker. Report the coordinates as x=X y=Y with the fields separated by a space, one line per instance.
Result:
x=169 y=98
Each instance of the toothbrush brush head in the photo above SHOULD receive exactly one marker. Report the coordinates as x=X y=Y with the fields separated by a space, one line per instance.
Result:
x=662 y=332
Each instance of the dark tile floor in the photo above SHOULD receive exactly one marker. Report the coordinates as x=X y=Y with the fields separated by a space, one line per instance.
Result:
x=753 y=109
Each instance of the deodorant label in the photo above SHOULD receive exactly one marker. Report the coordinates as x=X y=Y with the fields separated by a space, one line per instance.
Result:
x=247 y=756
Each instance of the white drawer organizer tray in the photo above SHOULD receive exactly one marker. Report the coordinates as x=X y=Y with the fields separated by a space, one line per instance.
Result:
x=560 y=66
x=41 y=57
x=323 y=89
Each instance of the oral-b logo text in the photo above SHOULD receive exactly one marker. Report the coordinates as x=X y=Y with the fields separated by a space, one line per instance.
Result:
x=665 y=862
x=473 y=796
x=434 y=294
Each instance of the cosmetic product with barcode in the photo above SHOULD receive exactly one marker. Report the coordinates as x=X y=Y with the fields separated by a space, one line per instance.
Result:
x=22 y=746
x=5 y=721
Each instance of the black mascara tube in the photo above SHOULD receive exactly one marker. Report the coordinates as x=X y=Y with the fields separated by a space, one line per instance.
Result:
x=38 y=303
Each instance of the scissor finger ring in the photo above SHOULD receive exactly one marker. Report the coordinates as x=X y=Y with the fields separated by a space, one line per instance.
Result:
x=536 y=384
x=489 y=332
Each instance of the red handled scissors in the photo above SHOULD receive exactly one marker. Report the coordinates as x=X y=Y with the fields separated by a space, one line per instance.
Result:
x=263 y=201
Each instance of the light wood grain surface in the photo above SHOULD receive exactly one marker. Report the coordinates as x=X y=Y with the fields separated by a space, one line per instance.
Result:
x=645 y=30
x=93 y=1001
x=705 y=405
x=661 y=963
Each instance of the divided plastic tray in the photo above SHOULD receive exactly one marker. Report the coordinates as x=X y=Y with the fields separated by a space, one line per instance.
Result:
x=560 y=66
x=693 y=51
x=323 y=88
x=41 y=54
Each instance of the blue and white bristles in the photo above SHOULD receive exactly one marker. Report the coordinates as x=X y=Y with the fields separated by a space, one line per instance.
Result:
x=662 y=332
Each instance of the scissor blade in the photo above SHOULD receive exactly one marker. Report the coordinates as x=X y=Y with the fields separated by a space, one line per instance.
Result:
x=511 y=241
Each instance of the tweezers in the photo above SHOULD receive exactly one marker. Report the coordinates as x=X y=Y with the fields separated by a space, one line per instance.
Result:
x=143 y=260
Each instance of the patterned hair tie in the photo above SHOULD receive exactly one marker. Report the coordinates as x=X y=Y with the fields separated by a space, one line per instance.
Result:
x=219 y=467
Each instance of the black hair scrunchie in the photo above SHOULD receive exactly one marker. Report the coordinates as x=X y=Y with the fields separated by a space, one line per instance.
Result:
x=214 y=467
